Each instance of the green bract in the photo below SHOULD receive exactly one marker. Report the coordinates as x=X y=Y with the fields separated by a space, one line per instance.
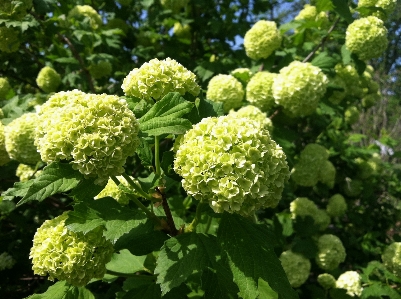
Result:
x=66 y=255
x=100 y=69
x=4 y=88
x=96 y=133
x=232 y=164
x=367 y=38
x=259 y=90
x=80 y=12
x=225 y=89
x=4 y=158
x=262 y=39
x=299 y=88
x=391 y=258
x=174 y=5
x=9 y=39
x=296 y=267
x=327 y=281
x=48 y=79
x=112 y=190
x=156 y=78
x=331 y=252
x=351 y=281
x=255 y=114
x=14 y=9
x=26 y=172
x=242 y=74
x=20 y=137
x=336 y=206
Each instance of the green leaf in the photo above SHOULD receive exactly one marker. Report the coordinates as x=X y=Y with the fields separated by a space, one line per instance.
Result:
x=353 y=138
x=86 y=189
x=265 y=291
x=67 y=60
x=19 y=189
x=165 y=116
x=346 y=55
x=145 y=153
x=205 y=108
x=150 y=290
x=63 y=290
x=181 y=256
x=341 y=7
x=324 y=61
x=117 y=219
x=251 y=257
x=324 y=5
x=126 y=263
x=377 y=290
x=55 y=178
x=43 y=6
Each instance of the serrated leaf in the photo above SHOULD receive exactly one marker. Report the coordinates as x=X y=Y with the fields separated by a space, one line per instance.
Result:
x=341 y=7
x=181 y=256
x=55 y=178
x=377 y=289
x=324 y=5
x=86 y=189
x=19 y=189
x=63 y=290
x=165 y=116
x=205 y=108
x=145 y=153
x=251 y=257
x=125 y=262
x=324 y=61
x=265 y=290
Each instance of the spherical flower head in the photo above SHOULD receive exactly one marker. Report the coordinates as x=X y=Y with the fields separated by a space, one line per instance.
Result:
x=255 y=114
x=262 y=40
x=182 y=31
x=302 y=207
x=96 y=133
x=15 y=10
x=391 y=258
x=48 y=79
x=9 y=39
x=322 y=219
x=351 y=281
x=350 y=76
x=112 y=190
x=296 y=267
x=100 y=69
x=156 y=78
x=352 y=187
x=242 y=74
x=331 y=252
x=6 y=261
x=366 y=37
x=308 y=13
x=4 y=88
x=174 y=5
x=259 y=90
x=71 y=256
x=387 y=5
x=4 y=157
x=351 y=115
x=366 y=168
x=371 y=99
x=299 y=88
x=327 y=174
x=327 y=281
x=20 y=137
x=232 y=164
x=26 y=172
x=337 y=206
x=225 y=89
x=80 y=12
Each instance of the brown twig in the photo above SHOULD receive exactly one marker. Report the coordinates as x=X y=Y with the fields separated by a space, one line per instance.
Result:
x=166 y=208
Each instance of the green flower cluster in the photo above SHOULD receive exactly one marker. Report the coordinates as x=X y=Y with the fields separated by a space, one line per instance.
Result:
x=338 y=95
x=100 y=69
x=255 y=114
x=303 y=207
x=242 y=74
x=174 y=5
x=331 y=252
x=350 y=281
x=232 y=164
x=182 y=31
x=6 y=261
x=4 y=88
x=366 y=37
x=15 y=10
x=9 y=39
x=26 y=172
x=386 y=5
x=81 y=12
x=20 y=138
x=225 y=89
x=95 y=132
x=112 y=190
x=351 y=78
x=48 y=79
x=156 y=78
x=337 y=206
x=262 y=40
x=366 y=168
x=327 y=281
x=259 y=90
x=4 y=158
x=351 y=115
x=71 y=256
x=299 y=88
x=296 y=267
x=313 y=167
x=370 y=100
x=391 y=258
x=309 y=13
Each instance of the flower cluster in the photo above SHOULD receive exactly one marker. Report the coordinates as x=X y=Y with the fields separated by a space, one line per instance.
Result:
x=156 y=78
x=255 y=114
x=96 y=133
x=15 y=10
x=296 y=267
x=299 y=88
x=327 y=281
x=48 y=79
x=112 y=190
x=338 y=95
x=6 y=261
x=232 y=164
x=225 y=89
x=309 y=13
x=262 y=40
x=303 y=207
x=20 y=137
x=99 y=69
x=336 y=206
x=71 y=256
x=391 y=258
x=26 y=172
x=4 y=87
x=366 y=37
x=351 y=115
x=182 y=31
x=9 y=39
x=80 y=12
x=350 y=76
x=4 y=158
x=174 y=5
x=331 y=252
x=351 y=281
x=386 y=5
x=259 y=90
x=242 y=74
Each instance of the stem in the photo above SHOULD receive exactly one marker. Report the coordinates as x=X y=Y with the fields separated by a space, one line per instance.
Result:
x=147 y=277
x=157 y=154
x=197 y=219
x=208 y=224
x=170 y=221
x=136 y=187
